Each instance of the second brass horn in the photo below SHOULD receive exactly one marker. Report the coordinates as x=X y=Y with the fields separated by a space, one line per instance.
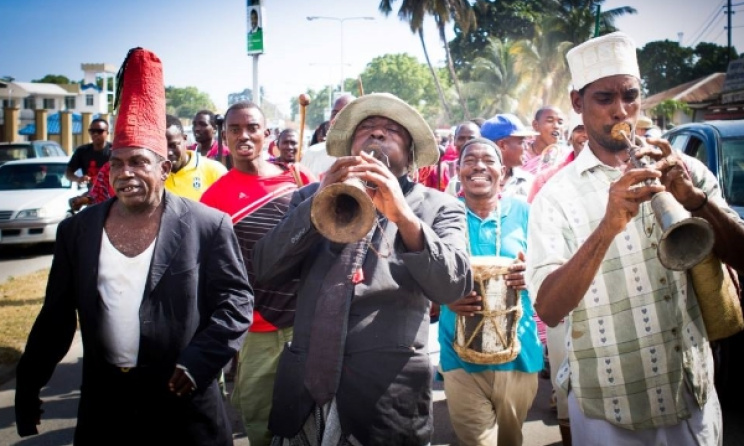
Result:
x=685 y=240
x=343 y=212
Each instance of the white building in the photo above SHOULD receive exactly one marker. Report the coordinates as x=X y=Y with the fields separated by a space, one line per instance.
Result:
x=77 y=98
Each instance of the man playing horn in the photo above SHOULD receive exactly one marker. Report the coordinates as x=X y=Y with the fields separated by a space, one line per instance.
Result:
x=639 y=368
x=358 y=364
x=488 y=403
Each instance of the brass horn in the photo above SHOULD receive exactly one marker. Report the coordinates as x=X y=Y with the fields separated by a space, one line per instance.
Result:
x=685 y=240
x=343 y=212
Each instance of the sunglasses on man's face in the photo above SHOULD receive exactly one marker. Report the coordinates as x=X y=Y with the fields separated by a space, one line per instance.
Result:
x=96 y=131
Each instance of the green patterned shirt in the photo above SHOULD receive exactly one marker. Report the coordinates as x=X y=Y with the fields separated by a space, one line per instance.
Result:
x=637 y=337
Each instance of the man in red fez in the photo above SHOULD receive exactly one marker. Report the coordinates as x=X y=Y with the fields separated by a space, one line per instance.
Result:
x=159 y=289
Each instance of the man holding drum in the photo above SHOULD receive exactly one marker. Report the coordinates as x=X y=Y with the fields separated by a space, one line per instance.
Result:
x=489 y=391
x=639 y=367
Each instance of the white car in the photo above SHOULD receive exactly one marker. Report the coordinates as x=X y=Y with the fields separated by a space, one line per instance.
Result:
x=34 y=198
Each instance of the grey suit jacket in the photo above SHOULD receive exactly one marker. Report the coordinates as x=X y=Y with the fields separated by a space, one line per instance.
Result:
x=384 y=396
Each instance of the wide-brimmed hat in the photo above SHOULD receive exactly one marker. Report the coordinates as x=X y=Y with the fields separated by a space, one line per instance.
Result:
x=503 y=126
x=341 y=133
x=644 y=122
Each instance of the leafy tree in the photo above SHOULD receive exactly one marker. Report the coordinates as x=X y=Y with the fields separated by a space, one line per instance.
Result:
x=315 y=111
x=443 y=11
x=7 y=78
x=575 y=20
x=54 y=79
x=665 y=64
x=404 y=76
x=666 y=110
x=500 y=19
x=545 y=57
x=497 y=84
x=711 y=58
x=185 y=102
x=413 y=12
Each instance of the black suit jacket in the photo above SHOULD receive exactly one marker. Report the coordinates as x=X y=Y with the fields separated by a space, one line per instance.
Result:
x=196 y=309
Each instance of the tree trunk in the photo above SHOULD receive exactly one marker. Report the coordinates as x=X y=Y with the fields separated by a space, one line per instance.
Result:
x=436 y=78
x=451 y=66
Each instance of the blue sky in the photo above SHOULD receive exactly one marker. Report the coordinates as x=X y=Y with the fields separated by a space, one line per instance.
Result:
x=202 y=43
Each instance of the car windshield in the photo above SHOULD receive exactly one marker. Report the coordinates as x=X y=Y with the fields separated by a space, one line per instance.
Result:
x=15 y=152
x=733 y=171
x=33 y=176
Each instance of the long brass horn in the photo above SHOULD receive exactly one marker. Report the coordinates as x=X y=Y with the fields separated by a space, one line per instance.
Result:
x=685 y=240
x=343 y=212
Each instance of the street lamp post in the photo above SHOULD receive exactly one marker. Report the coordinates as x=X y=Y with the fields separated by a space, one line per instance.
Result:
x=341 y=21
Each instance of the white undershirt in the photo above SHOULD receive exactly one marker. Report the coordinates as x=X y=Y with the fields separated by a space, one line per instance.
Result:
x=121 y=284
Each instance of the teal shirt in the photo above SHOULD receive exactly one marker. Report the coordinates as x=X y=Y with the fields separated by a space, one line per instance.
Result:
x=482 y=237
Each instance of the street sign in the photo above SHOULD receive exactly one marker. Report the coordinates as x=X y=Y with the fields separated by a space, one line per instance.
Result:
x=254 y=20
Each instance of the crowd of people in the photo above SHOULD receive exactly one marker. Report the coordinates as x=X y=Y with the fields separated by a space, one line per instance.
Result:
x=540 y=237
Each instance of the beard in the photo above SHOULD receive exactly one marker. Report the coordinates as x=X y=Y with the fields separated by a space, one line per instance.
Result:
x=606 y=140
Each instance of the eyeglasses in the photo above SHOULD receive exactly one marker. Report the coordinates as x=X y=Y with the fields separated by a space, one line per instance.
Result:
x=96 y=131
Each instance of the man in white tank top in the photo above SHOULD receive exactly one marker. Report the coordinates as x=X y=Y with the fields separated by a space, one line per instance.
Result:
x=158 y=285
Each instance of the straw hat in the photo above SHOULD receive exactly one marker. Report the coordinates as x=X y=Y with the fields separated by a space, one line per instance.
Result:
x=341 y=133
x=644 y=122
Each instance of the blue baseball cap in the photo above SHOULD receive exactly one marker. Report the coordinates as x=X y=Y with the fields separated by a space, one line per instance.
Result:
x=504 y=125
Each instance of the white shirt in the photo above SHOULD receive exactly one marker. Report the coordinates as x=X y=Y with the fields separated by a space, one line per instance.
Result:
x=316 y=159
x=121 y=284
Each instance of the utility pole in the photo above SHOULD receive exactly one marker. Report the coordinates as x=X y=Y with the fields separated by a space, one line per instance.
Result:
x=596 y=19
x=728 y=28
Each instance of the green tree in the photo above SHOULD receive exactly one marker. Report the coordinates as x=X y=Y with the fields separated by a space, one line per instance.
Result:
x=185 y=102
x=664 y=64
x=575 y=20
x=496 y=83
x=413 y=12
x=443 y=11
x=499 y=19
x=315 y=112
x=404 y=76
x=545 y=57
x=666 y=110
x=54 y=79
x=711 y=58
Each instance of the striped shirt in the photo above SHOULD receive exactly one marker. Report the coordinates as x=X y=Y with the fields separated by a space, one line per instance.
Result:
x=637 y=337
x=256 y=204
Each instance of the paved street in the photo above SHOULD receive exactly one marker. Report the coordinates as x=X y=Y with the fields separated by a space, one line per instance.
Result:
x=61 y=398
x=61 y=395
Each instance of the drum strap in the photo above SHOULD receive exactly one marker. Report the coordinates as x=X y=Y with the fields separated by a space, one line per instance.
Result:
x=328 y=332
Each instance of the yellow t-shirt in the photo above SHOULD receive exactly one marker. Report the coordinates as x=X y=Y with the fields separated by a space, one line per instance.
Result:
x=195 y=177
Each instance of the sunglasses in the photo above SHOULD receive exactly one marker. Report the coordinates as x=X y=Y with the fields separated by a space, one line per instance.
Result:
x=96 y=131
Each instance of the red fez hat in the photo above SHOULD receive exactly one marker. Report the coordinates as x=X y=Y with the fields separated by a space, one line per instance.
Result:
x=140 y=103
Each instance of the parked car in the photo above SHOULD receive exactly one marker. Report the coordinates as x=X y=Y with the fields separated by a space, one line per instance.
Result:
x=720 y=145
x=34 y=198
x=10 y=151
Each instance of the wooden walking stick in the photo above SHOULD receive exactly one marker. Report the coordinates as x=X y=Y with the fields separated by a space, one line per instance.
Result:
x=304 y=101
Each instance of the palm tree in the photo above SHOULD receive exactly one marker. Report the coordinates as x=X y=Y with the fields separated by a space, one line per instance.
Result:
x=414 y=12
x=498 y=84
x=574 y=20
x=545 y=57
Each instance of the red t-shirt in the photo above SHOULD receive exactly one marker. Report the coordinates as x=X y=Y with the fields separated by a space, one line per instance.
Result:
x=256 y=204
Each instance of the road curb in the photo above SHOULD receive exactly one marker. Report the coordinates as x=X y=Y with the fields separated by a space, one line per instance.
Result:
x=7 y=372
